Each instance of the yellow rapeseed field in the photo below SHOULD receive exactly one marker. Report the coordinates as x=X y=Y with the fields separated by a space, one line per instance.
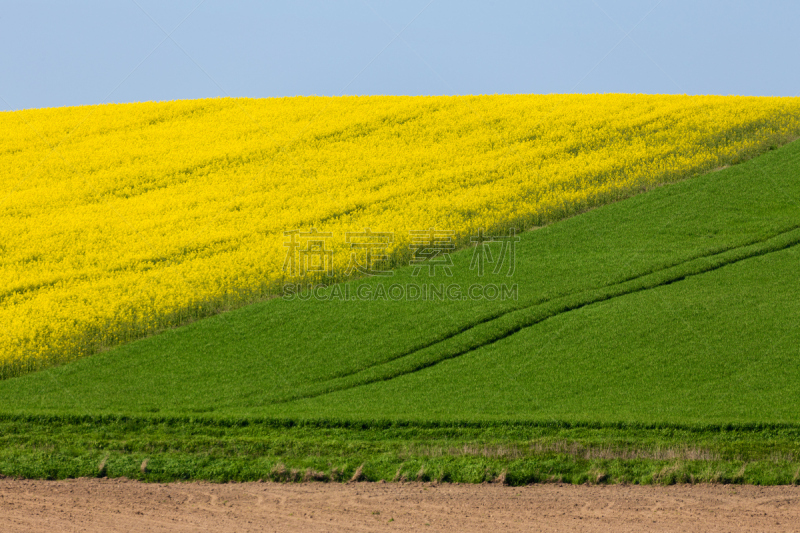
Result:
x=117 y=221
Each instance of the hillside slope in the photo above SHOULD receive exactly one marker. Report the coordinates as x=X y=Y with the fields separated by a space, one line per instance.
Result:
x=118 y=221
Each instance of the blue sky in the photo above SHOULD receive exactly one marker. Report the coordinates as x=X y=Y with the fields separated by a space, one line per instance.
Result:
x=75 y=53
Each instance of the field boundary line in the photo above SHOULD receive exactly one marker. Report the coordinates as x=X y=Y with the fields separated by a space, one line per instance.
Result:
x=138 y=421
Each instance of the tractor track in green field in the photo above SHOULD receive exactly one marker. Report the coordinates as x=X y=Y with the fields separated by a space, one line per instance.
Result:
x=542 y=301
x=520 y=318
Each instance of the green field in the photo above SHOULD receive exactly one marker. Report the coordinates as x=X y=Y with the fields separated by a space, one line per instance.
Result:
x=652 y=340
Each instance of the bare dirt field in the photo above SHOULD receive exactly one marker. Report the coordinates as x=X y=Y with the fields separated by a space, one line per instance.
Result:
x=124 y=505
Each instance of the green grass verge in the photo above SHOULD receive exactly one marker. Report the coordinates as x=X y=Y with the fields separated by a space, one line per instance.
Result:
x=280 y=450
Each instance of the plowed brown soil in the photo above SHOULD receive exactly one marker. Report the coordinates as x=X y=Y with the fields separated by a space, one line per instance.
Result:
x=123 y=505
